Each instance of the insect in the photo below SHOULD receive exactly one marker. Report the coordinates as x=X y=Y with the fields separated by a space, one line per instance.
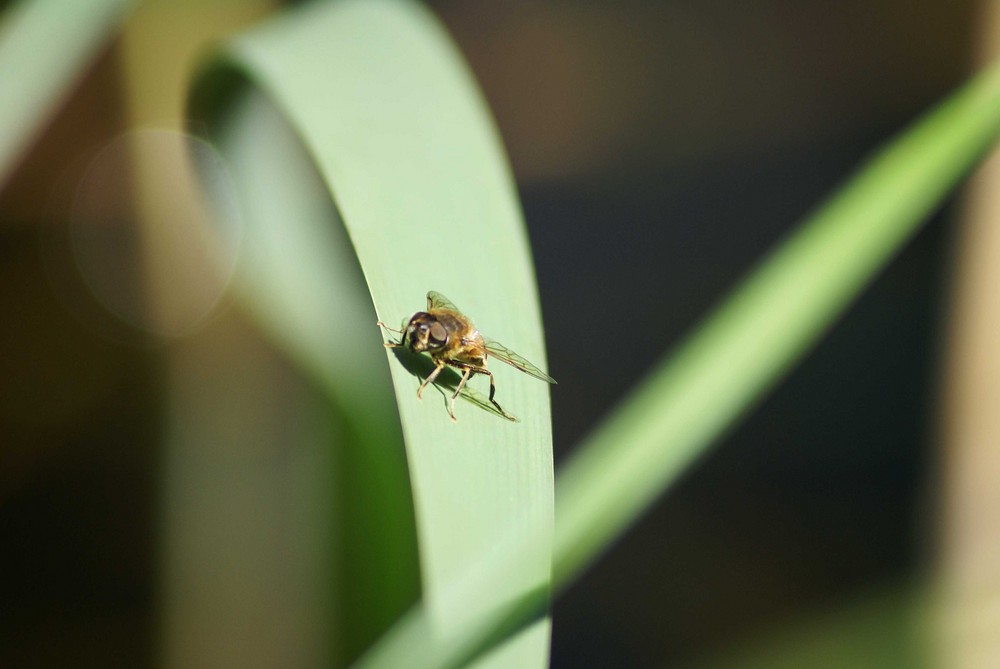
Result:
x=452 y=340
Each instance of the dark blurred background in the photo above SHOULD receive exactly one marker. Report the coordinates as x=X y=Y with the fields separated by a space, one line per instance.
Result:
x=660 y=148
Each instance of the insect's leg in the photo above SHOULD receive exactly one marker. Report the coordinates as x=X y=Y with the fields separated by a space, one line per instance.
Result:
x=391 y=344
x=465 y=377
x=493 y=388
x=430 y=377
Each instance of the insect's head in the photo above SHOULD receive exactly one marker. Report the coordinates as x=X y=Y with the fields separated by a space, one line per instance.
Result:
x=424 y=333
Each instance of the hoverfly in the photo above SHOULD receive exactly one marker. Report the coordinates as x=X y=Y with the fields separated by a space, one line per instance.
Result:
x=451 y=339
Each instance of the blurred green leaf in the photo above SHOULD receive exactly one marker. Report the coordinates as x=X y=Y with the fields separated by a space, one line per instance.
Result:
x=393 y=123
x=44 y=45
x=771 y=320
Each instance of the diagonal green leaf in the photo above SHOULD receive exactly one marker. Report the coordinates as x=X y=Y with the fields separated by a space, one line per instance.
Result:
x=773 y=318
x=43 y=45
x=393 y=123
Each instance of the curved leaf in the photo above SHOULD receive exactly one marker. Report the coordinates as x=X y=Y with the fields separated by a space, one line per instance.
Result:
x=386 y=110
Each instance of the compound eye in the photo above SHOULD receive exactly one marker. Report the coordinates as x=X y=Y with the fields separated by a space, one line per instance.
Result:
x=438 y=335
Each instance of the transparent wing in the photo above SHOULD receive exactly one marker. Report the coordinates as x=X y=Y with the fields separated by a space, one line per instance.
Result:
x=436 y=300
x=501 y=352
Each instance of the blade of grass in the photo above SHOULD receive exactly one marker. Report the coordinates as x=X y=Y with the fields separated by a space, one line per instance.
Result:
x=391 y=118
x=44 y=44
x=770 y=321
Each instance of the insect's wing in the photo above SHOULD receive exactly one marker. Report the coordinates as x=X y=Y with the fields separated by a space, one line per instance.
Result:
x=501 y=352
x=436 y=300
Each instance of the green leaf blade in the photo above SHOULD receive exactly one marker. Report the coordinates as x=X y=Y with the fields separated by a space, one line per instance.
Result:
x=770 y=321
x=401 y=138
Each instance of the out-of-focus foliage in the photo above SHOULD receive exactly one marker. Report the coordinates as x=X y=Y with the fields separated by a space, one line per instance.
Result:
x=37 y=80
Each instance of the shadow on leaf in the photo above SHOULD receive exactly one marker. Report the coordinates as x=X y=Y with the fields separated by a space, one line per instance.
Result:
x=420 y=366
